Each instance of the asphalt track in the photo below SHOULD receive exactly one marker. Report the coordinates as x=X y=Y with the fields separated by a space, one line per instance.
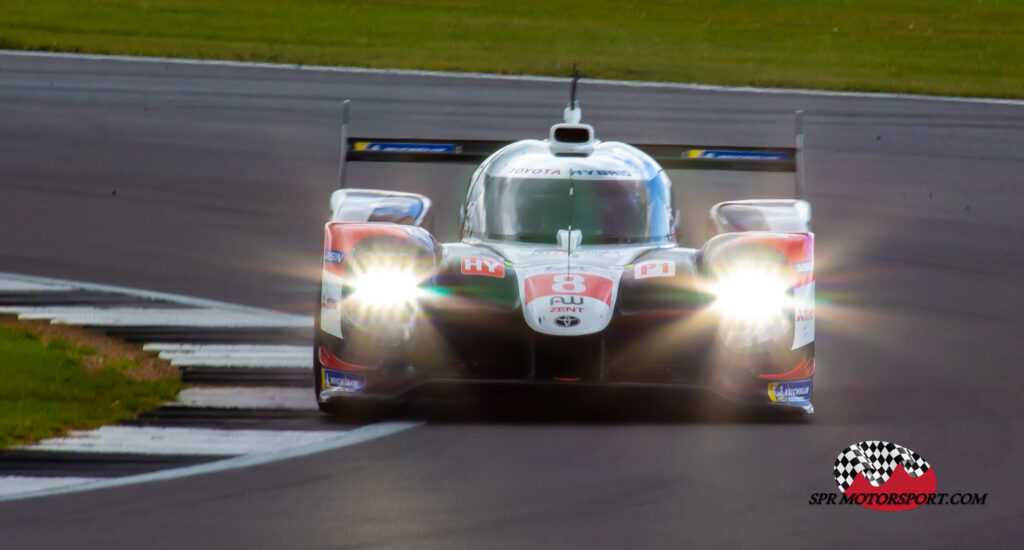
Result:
x=212 y=181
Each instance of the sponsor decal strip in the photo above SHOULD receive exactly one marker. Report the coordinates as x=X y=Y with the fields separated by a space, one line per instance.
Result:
x=341 y=380
x=735 y=155
x=488 y=267
x=654 y=268
x=392 y=147
x=785 y=392
x=569 y=284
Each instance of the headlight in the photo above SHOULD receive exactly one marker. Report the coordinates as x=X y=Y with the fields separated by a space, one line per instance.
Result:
x=387 y=288
x=383 y=289
x=754 y=302
x=752 y=294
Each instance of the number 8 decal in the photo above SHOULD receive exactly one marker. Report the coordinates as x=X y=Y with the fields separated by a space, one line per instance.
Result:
x=569 y=284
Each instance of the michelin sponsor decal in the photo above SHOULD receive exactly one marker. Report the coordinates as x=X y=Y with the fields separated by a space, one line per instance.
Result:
x=734 y=155
x=406 y=147
x=787 y=392
x=345 y=381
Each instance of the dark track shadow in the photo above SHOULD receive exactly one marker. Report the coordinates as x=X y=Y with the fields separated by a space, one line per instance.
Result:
x=568 y=405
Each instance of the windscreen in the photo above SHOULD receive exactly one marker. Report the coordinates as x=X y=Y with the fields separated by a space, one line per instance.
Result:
x=607 y=211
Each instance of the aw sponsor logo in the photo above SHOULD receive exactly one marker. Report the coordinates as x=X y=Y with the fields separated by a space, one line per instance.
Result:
x=889 y=477
x=566 y=304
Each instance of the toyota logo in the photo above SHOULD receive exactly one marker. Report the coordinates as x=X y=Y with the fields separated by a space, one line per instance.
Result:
x=567 y=321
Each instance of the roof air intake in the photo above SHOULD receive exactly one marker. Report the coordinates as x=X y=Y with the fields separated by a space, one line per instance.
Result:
x=571 y=134
x=571 y=139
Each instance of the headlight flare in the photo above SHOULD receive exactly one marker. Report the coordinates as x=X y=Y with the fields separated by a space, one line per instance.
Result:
x=383 y=292
x=754 y=303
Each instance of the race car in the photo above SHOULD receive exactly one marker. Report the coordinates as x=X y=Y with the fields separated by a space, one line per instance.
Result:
x=570 y=269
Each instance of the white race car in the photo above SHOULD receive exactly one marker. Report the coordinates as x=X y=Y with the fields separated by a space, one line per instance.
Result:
x=570 y=270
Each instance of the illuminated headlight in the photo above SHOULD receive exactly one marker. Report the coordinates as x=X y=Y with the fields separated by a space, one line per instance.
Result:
x=386 y=288
x=750 y=294
x=754 y=302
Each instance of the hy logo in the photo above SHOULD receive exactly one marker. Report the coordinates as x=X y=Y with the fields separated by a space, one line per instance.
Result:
x=879 y=467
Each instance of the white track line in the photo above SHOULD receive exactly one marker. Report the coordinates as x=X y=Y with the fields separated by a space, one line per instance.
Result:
x=178 y=441
x=175 y=350
x=246 y=447
x=12 y=285
x=247 y=398
x=234 y=355
x=12 y=278
x=520 y=78
x=269 y=363
x=12 y=485
x=150 y=317
x=342 y=439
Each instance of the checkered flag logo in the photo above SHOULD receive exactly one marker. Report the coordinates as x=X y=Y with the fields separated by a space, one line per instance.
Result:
x=877 y=460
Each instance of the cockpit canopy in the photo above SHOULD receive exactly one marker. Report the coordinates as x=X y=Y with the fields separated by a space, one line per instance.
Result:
x=610 y=200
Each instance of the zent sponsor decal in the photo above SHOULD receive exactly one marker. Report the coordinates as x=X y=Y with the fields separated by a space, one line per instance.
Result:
x=334 y=256
x=345 y=381
x=549 y=284
x=566 y=304
x=646 y=270
x=789 y=391
x=488 y=267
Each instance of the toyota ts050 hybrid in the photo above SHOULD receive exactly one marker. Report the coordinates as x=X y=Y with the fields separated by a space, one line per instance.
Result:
x=570 y=269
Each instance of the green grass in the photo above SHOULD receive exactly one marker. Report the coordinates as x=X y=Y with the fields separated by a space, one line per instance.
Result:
x=963 y=47
x=45 y=390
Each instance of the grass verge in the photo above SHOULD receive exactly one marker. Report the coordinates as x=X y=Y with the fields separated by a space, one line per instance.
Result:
x=61 y=378
x=924 y=46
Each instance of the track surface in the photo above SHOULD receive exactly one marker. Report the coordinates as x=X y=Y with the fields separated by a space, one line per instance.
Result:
x=221 y=177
